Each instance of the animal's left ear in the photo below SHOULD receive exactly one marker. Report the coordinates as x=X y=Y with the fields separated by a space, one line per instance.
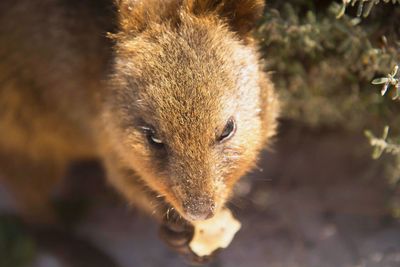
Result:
x=241 y=15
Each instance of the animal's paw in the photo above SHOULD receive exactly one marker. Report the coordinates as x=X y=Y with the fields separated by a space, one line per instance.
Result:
x=178 y=236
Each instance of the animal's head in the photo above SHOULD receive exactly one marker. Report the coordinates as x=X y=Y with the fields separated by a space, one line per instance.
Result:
x=189 y=108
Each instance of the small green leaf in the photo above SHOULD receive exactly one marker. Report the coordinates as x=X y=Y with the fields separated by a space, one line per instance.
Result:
x=385 y=132
x=341 y=12
x=380 y=80
x=368 y=9
x=369 y=134
x=360 y=8
x=377 y=153
x=385 y=88
x=394 y=72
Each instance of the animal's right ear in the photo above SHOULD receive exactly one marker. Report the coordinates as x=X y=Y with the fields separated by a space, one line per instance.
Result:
x=241 y=15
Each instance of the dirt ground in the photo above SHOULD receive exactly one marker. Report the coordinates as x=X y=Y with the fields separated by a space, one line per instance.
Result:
x=317 y=200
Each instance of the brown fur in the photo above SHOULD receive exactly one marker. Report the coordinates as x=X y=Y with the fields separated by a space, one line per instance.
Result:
x=183 y=67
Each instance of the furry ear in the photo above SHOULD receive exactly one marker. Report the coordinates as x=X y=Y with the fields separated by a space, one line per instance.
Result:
x=241 y=15
x=130 y=14
x=134 y=15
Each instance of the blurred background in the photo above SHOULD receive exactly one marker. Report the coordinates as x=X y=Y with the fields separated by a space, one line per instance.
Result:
x=326 y=194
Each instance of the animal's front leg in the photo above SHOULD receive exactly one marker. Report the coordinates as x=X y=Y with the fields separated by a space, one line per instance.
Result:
x=178 y=234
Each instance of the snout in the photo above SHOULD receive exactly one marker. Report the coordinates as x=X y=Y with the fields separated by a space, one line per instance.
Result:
x=199 y=208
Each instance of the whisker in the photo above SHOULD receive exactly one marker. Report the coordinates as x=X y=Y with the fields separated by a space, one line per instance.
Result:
x=262 y=179
x=168 y=210
x=258 y=168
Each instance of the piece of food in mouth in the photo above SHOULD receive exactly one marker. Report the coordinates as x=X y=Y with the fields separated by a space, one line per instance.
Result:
x=215 y=233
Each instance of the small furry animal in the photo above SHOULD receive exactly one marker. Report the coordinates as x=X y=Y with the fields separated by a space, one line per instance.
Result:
x=169 y=94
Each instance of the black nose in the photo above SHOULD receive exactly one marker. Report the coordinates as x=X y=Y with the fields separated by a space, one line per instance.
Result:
x=199 y=208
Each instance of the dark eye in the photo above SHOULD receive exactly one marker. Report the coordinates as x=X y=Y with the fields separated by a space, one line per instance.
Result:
x=229 y=131
x=152 y=138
